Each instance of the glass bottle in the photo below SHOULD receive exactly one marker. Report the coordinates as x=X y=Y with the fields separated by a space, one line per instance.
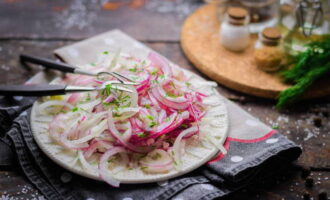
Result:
x=262 y=13
x=268 y=52
x=309 y=22
x=234 y=30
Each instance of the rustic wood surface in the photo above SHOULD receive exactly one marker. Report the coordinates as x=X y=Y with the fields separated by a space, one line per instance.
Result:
x=30 y=26
x=200 y=34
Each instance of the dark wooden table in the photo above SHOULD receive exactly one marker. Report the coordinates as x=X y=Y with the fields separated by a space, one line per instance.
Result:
x=37 y=27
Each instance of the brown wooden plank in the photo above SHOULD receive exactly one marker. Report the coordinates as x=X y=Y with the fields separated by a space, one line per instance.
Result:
x=15 y=186
x=157 y=20
x=289 y=187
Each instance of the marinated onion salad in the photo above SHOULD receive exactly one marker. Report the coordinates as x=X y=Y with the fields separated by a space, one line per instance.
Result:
x=147 y=129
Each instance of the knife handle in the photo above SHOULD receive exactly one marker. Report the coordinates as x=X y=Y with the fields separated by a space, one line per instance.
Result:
x=31 y=90
x=47 y=63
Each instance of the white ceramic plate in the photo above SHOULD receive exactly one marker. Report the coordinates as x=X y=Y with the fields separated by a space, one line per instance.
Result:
x=215 y=122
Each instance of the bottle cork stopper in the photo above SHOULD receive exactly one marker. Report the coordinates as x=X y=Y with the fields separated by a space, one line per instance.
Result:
x=237 y=13
x=272 y=33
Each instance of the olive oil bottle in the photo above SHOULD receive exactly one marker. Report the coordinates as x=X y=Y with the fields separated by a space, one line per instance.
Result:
x=303 y=22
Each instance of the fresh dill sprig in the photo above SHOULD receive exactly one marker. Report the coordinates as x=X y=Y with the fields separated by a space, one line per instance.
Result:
x=309 y=66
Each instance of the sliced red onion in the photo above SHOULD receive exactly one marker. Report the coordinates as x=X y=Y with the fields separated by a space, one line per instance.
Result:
x=178 y=103
x=160 y=62
x=74 y=98
x=83 y=81
x=96 y=145
x=113 y=130
x=162 y=116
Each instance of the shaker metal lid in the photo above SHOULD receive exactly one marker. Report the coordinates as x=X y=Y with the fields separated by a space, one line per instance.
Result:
x=237 y=13
x=272 y=33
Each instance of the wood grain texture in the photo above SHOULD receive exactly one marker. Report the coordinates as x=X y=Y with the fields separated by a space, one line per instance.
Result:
x=157 y=20
x=200 y=42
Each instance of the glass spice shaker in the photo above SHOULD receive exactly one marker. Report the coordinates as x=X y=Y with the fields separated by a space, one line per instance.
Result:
x=269 y=53
x=234 y=30
x=262 y=13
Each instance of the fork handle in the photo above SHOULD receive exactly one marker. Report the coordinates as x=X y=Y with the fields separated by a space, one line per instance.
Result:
x=32 y=90
x=47 y=63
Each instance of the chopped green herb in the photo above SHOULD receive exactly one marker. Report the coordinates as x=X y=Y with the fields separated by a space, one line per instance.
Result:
x=142 y=134
x=184 y=125
x=162 y=76
x=150 y=117
x=114 y=114
x=93 y=64
x=152 y=124
x=172 y=84
x=156 y=156
x=143 y=168
x=133 y=69
x=112 y=159
x=275 y=127
x=155 y=81
x=88 y=98
x=147 y=106
x=169 y=94
x=105 y=52
x=188 y=84
x=107 y=89
x=175 y=163
x=154 y=72
x=75 y=109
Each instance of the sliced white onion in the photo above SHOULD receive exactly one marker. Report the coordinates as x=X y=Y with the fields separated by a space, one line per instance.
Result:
x=95 y=132
x=85 y=164
x=157 y=161
x=104 y=172
x=42 y=108
x=177 y=145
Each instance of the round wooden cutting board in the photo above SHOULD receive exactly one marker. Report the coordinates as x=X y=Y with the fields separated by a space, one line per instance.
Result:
x=200 y=42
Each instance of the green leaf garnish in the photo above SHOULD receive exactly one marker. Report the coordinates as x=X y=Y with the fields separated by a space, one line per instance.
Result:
x=169 y=94
x=184 y=125
x=275 y=127
x=154 y=72
x=152 y=124
x=75 y=109
x=114 y=114
x=150 y=117
x=141 y=135
x=147 y=106
x=133 y=69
